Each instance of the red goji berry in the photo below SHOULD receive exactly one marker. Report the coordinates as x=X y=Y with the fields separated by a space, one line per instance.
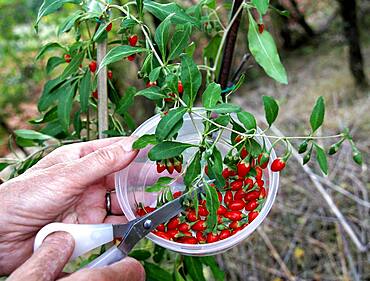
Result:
x=183 y=227
x=243 y=169
x=187 y=240
x=225 y=173
x=202 y=211
x=191 y=216
x=263 y=160
x=177 y=194
x=262 y=193
x=211 y=237
x=251 y=205
x=161 y=227
x=200 y=237
x=243 y=153
x=249 y=183
x=169 y=166
x=277 y=165
x=150 y=84
x=180 y=87
x=252 y=195
x=131 y=57
x=261 y=27
x=236 y=185
x=173 y=233
x=92 y=66
x=67 y=58
x=239 y=194
x=110 y=74
x=252 y=215
x=160 y=167
x=95 y=94
x=173 y=223
x=260 y=183
x=133 y=40
x=236 y=205
x=234 y=215
x=109 y=27
x=258 y=173
x=228 y=197
x=162 y=235
x=224 y=234
x=221 y=210
x=199 y=225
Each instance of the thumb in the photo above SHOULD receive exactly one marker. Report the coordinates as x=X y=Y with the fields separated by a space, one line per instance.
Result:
x=48 y=260
x=128 y=269
x=102 y=162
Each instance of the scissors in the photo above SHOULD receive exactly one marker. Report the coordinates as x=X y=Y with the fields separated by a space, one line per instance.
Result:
x=91 y=236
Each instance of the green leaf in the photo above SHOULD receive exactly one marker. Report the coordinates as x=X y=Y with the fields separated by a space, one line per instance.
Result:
x=77 y=123
x=271 y=109
x=73 y=66
x=189 y=50
x=144 y=140
x=70 y=22
x=128 y=23
x=211 y=50
x=175 y=129
x=139 y=7
x=167 y=122
x=152 y=93
x=321 y=158
x=101 y=32
x=49 y=93
x=212 y=205
x=225 y=108
x=126 y=101
x=31 y=135
x=193 y=170
x=162 y=34
x=140 y=254
x=194 y=268
x=211 y=95
x=253 y=147
x=156 y=273
x=261 y=6
x=263 y=49
x=317 y=115
x=191 y=79
x=161 y=183
x=248 y=120
x=179 y=41
x=217 y=272
x=65 y=99
x=118 y=53
x=85 y=90
x=154 y=74
x=49 y=47
x=51 y=6
x=167 y=149
x=52 y=63
x=50 y=115
x=215 y=168
x=6 y=163
x=162 y=11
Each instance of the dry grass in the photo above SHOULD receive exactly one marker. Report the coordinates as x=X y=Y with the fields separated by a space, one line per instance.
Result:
x=302 y=239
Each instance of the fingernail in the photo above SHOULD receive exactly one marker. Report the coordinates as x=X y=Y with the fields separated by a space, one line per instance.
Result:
x=127 y=143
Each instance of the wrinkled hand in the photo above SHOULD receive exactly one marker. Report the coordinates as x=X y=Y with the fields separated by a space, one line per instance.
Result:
x=48 y=261
x=68 y=185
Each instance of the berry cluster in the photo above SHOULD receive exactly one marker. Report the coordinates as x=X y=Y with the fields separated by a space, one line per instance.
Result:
x=170 y=165
x=241 y=200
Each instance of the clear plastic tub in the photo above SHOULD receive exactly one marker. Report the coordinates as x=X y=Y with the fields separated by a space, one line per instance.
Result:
x=131 y=183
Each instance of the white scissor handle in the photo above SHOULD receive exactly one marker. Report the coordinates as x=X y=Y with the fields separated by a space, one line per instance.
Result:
x=86 y=236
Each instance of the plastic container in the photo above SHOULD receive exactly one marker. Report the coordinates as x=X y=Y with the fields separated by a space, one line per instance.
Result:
x=131 y=183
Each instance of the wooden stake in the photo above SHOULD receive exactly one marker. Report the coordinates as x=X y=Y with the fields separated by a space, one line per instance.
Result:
x=102 y=91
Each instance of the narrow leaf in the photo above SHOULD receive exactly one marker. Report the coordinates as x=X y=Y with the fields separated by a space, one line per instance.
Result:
x=70 y=22
x=49 y=47
x=317 y=115
x=248 y=120
x=321 y=158
x=271 y=109
x=139 y=7
x=118 y=53
x=191 y=79
x=152 y=93
x=85 y=90
x=52 y=63
x=162 y=34
x=73 y=66
x=261 y=6
x=168 y=122
x=225 y=108
x=193 y=170
x=211 y=95
x=31 y=135
x=127 y=100
x=143 y=141
x=179 y=41
x=167 y=149
x=194 y=268
x=51 y=6
x=212 y=205
x=263 y=49
x=65 y=107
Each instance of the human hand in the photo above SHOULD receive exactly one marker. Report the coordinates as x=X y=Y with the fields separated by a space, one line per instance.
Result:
x=48 y=261
x=68 y=185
